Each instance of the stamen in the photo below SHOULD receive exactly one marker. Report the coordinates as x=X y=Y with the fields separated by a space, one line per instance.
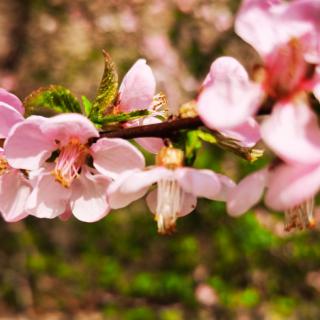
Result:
x=300 y=217
x=287 y=70
x=170 y=200
x=160 y=106
x=4 y=166
x=68 y=164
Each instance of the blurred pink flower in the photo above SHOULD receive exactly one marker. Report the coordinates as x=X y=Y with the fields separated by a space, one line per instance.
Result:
x=69 y=170
x=313 y=279
x=223 y=19
x=247 y=193
x=229 y=99
x=281 y=29
x=158 y=47
x=286 y=35
x=289 y=188
x=206 y=295
x=293 y=133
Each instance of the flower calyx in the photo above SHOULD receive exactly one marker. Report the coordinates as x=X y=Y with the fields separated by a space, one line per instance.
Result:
x=170 y=157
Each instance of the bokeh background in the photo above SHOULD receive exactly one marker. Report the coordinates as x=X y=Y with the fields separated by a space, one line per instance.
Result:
x=215 y=266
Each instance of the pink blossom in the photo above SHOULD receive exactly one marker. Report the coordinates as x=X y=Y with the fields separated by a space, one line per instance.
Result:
x=177 y=188
x=14 y=191
x=229 y=99
x=136 y=92
x=294 y=134
x=14 y=187
x=11 y=112
x=271 y=26
x=70 y=172
x=289 y=187
x=288 y=41
x=206 y=295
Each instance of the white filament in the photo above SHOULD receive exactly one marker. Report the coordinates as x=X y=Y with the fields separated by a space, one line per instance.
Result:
x=169 y=204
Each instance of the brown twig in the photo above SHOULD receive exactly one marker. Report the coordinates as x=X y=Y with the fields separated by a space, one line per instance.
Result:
x=160 y=130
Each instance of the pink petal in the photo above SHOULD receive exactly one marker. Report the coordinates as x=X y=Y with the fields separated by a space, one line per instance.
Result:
x=247 y=193
x=188 y=205
x=89 y=197
x=137 y=88
x=153 y=145
x=308 y=12
x=200 y=183
x=113 y=156
x=230 y=98
x=14 y=192
x=119 y=196
x=9 y=116
x=63 y=127
x=290 y=185
x=27 y=147
x=223 y=65
x=226 y=185
x=11 y=100
x=139 y=179
x=48 y=198
x=248 y=133
x=277 y=24
x=292 y=132
x=316 y=90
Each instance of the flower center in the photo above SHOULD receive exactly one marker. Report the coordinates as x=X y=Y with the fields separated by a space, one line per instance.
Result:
x=300 y=217
x=169 y=204
x=4 y=166
x=68 y=164
x=286 y=71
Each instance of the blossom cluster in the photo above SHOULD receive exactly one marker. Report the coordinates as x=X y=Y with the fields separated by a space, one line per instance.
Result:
x=61 y=166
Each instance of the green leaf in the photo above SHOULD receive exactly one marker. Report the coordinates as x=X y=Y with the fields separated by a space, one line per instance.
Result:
x=206 y=136
x=121 y=117
x=193 y=144
x=87 y=105
x=50 y=101
x=107 y=91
